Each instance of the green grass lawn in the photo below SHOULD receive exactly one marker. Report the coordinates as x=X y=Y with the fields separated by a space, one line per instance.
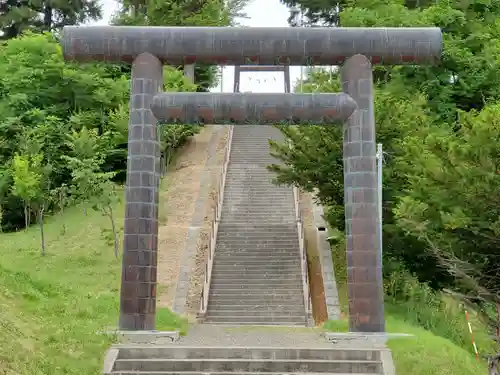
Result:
x=52 y=308
x=444 y=348
x=425 y=353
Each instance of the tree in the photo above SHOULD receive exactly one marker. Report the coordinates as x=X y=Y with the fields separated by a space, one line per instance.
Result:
x=43 y=99
x=4 y=188
x=451 y=199
x=315 y=162
x=183 y=13
x=89 y=183
x=44 y=15
x=467 y=77
x=61 y=198
x=30 y=183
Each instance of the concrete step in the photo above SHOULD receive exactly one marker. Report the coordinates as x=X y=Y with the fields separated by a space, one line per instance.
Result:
x=264 y=269
x=255 y=277
x=226 y=253
x=238 y=186
x=273 y=238
x=254 y=299
x=252 y=157
x=249 y=323
x=257 y=259
x=246 y=220
x=260 y=269
x=253 y=240
x=207 y=373
x=246 y=365
x=179 y=352
x=243 y=310
x=235 y=184
x=253 y=307
x=258 y=174
x=245 y=292
x=223 y=251
x=250 y=305
x=254 y=179
x=251 y=279
x=272 y=313
x=218 y=282
x=249 y=234
x=234 y=260
x=264 y=228
x=267 y=319
x=253 y=168
x=279 y=248
x=252 y=288
x=256 y=320
x=253 y=220
x=238 y=241
x=260 y=206
x=249 y=309
x=259 y=196
x=257 y=218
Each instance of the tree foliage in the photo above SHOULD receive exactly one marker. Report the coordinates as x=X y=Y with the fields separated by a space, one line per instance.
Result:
x=183 y=13
x=18 y=16
x=43 y=100
x=440 y=132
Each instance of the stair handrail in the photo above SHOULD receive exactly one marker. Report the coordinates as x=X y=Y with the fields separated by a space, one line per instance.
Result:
x=214 y=225
x=303 y=253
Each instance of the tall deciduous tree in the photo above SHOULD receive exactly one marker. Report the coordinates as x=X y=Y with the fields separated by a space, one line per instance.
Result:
x=17 y=16
x=183 y=13
x=31 y=184
x=90 y=184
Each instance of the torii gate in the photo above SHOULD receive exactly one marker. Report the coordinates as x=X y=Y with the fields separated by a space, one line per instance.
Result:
x=148 y=48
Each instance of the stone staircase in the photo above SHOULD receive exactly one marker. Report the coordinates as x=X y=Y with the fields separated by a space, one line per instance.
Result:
x=158 y=360
x=256 y=276
x=237 y=350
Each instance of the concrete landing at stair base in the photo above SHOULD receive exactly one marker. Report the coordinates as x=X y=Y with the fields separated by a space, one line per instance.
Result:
x=252 y=350
x=146 y=337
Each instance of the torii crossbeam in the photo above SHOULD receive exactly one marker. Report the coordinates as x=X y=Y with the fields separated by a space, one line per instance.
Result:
x=148 y=48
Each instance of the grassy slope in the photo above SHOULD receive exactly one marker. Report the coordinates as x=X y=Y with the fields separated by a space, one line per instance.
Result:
x=53 y=307
x=426 y=353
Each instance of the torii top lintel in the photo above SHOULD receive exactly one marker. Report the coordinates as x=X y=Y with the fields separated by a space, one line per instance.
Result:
x=252 y=45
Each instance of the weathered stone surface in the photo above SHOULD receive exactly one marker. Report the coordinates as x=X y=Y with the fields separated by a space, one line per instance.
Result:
x=252 y=45
x=252 y=108
x=138 y=292
x=364 y=265
x=263 y=68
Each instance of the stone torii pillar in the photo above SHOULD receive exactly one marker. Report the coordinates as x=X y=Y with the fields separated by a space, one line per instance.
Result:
x=147 y=48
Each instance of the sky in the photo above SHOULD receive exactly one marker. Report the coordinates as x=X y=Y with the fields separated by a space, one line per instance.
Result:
x=275 y=15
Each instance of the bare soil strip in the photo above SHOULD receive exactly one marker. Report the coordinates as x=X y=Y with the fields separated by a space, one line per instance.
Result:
x=177 y=204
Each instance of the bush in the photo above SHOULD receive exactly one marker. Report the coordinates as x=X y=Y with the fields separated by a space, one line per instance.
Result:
x=420 y=305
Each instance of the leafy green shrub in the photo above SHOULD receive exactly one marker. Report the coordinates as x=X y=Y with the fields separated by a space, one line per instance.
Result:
x=420 y=305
